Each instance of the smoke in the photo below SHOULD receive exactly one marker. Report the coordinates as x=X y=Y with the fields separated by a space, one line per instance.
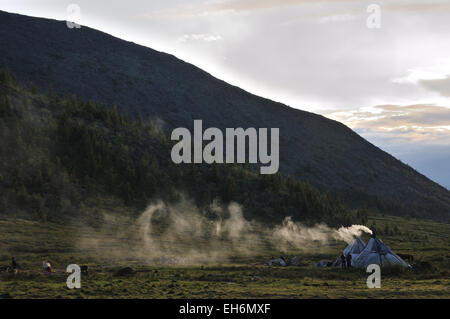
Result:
x=183 y=234
x=297 y=234
x=348 y=234
x=290 y=234
x=176 y=234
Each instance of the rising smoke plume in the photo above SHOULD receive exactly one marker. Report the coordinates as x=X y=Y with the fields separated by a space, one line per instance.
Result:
x=183 y=234
x=292 y=234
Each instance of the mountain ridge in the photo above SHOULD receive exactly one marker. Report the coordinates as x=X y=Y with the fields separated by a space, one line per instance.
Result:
x=147 y=83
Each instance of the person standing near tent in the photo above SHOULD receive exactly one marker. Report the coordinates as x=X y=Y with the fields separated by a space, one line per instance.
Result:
x=349 y=260
x=343 y=260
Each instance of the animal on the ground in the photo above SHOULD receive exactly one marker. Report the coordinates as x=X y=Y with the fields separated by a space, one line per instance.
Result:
x=84 y=269
x=4 y=268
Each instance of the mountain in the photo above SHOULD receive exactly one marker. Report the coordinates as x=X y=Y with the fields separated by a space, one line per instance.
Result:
x=145 y=84
x=68 y=160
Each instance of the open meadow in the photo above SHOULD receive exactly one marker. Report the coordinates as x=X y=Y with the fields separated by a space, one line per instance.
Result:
x=237 y=277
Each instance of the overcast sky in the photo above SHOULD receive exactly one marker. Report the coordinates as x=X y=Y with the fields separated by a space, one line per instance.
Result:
x=390 y=84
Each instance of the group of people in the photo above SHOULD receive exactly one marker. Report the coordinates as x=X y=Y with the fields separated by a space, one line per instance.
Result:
x=46 y=267
x=346 y=261
x=11 y=268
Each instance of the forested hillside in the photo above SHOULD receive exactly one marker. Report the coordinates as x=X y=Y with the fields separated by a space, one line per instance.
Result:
x=64 y=158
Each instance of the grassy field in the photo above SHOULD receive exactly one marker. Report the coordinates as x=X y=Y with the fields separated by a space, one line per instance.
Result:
x=236 y=277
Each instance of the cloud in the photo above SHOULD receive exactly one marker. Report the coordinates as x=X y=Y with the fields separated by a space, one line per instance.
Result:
x=249 y=5
x=419 y=135
x=411 y=124
x=337 y=18
x=398 y=5
x=439 y=70
x=232 y=6
x=442 y=86
x=420 y=6
x=199 y=37
x=214 y=7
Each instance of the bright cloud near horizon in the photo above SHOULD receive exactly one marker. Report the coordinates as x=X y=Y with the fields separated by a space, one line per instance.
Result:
x=391 y=85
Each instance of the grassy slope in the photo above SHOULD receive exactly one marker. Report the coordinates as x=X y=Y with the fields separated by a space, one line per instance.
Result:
x=32 y=242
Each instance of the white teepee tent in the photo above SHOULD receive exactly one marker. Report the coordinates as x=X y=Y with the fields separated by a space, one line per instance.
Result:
x=354 y=248
x=377 y=253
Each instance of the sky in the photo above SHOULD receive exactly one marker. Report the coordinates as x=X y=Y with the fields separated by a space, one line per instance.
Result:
x=391 y=84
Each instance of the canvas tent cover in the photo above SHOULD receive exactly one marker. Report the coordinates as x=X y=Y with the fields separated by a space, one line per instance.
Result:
x=376 y=252
x=354 y=248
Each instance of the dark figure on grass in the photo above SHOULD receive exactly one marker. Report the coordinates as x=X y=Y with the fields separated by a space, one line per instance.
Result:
x=14 y=265
x=349 y=260
x=343 y=264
